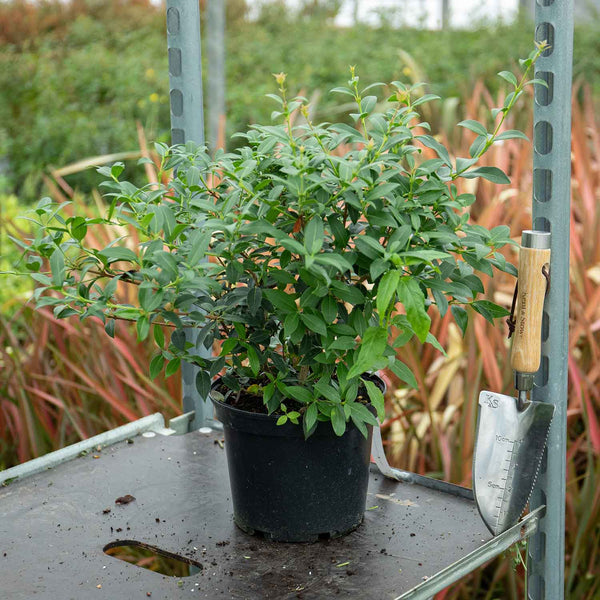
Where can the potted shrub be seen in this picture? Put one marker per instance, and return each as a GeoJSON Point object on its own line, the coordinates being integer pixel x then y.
{"type": "Point", "coordinates": [304, 259]}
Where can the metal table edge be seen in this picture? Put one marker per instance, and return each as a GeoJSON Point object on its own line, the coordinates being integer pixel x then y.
{"type": "Point", "coordinates": [154, 423]}
{"type": "Point", "coordinates": [442, 579]}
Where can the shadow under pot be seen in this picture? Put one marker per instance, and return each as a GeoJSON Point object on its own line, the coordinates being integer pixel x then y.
{"type": "Point", "coordinates": [289, 489]}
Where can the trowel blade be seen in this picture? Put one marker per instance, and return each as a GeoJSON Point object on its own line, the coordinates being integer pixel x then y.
{"type": "Point", "coordinates": [508, 452]}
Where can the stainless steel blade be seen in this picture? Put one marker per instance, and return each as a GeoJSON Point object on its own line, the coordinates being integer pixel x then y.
{"type": "Point", "coordinates": [508, 453]}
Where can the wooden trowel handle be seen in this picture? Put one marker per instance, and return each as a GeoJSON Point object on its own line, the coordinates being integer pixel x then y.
{"type": "Point", "coordinates": [534, 257]}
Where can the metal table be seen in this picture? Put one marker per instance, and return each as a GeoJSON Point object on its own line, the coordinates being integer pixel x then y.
{"type": "Point", "coordinates": [54, 526]}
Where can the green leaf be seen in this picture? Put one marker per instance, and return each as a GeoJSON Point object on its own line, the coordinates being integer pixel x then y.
{"type": "Point", "coordinates": [493, 174]}
{"type": "Point", "coordinates": [299, 393]}
{"type": "Point", "coordinates": [145, 295]}
{"type": "Point", "coordinates": [310, 419]}
{"type": "Point", "coordinates": [253, 359]}
{"type": "Point", "coordinates": [369, 246]}
{"type": "Point", "coordinates": [200, 242]}
{"type": "Point", "coordinates": [282, 420]}
{"type": "Point", "coordinates": [172, 367]}
{"type": "Point", "coordinates": [159, 336]}
{"type": "Point", "coordinates": [110, 288]}
{"type": "Point", "coordinates": [489, 310]}
{"type": "Point", "coordinates": [254, 300]}
{"type": "Point", "coordinates": [348, 293]}
{"type": "Point", "coordinates": [193, 176]}
{"type": "Point", "coordinates": [413, 299]}
{"type": "Point", "coordinates": [477, 146]}
{"type": "Point", "coordinates": [338, 420]}
{"type": "Point", "coordinates": [386, 290]}
{"type": "Point", "coordinates": [143, 328]}
{"type": "Point", "coordinates": [368, 103]}
{"type": "Point", "coordinates": [109, 327]}
{"type": "Point", "coordinates": [117, 169]}
{"type": "Point", "coordinates": [359, 412]}
{"type": "Point", "coordinates": [78, 228]}
{"type": "Point", "coordinates": [432, 143]}
{"type": "Point", "coordinates": [426, 255]}
{"type": "Point", "coordinates": [462, 164]}
{"type": "Point", "coordinates": [376, 398]}
{"type": "Point", "coordinates": [292, 245]}
{"type": "Point", "coordinates": [441, 301]}
{"type": "Point", "coordinates": [425, 98]}
{"type": "Point", "coordinates": [371, 350]}
{"type": "Point", "coordinates": [382, 190]}
{"type": "Point", "coordinates": [314, 323]}
{"type": "Point", "coordinates": [510, 77]}
{"type": "Point", "coordinates": [329, 308]}
{"type": "Point", "coordinates": [314, 235]}
{"type": "Point", "coordinates": [511, 134]}
{"type": "Point", "coordinates": [203, 383]}
{"type": "Point", "coordinates": [474, 126]}
{"type": "Point", "coordinates": [431, 339]}
{"type": "Point", "coordinates": [116, 253]}
{"type": "Point", "coordinates": [279, 299]}
{"type": "Point", "coordinates": [57, 265]}
{"type": "Point", "coordinates": [359, 422]}
{"type": "Point", "coordinates": [342, 90]}
{"type": "Point", "coordinates": [156, 365]}
{"type": "Point", "coordinates": [398, 368]}
{"type": "Point", "coordinates": [327, 391]}
{"type": "Point", "coordinates": [334, 260]}
{"type": "Point", "coordinates": [460, 316]}
{"type": "Point", "coordinates": [342, 343]}
{"type": "Point", "coordinates": [290, 324]}
{"type": "Point", "coordinates": [167, 262]}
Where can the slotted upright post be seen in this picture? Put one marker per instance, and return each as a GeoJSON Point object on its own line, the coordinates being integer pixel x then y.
{"type": "Point", "coordinates": [187, 124]}
{"type": "Point", "coordinates": [551, 212]}
{"type": "Point", "coordinates": [215, 89]}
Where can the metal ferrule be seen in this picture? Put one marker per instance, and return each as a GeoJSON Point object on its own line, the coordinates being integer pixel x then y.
{"type": "Point", "coordinates": [524, 381]}
{"type": "Point", "coordinates": [540, 240]}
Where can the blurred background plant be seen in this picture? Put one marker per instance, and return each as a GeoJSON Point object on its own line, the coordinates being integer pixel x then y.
{"type": "Point", "coordinates": [75, 75]}
{"type": "Point", "coordinates": [84, 82]}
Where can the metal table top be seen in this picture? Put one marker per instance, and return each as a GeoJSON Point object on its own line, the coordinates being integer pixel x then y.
{"type": "Point", "coordinates": [53, 529]}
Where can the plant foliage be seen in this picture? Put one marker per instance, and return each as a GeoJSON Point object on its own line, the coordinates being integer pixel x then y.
{"type": "Point", "coordinates": [294, 253]}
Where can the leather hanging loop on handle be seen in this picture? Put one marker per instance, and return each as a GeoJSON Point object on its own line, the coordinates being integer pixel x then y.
{"type": "Point", "coordinates": [534, 264]}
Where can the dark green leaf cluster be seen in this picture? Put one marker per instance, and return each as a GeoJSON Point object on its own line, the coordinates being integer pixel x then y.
{"type": "Point", "coordinates": [309, 255]}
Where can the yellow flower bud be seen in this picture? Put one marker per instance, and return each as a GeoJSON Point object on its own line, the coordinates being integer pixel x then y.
{"type": "Point", "coordinates": [279, 78]}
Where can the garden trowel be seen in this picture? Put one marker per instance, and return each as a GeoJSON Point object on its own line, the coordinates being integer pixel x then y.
{"type": "Point", "coordinates": [512, 432]}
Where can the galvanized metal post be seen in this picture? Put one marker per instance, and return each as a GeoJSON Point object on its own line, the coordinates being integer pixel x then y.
{"type": "Point", "coordinates": [215, 89]}
{"type": "Point", "coordinates": [551, 212]}
{"type": "Point", "coordinates": [187, 124]}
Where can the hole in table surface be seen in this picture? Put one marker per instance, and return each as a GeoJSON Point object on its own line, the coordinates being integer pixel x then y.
{"type": "Point", "coordinates": [152, 558]}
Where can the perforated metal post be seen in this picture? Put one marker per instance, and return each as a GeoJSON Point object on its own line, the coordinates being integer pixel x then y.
{"type": "Point", "coordinates": [215, 89]}
{"type": "Point", "coordinates": [551, 212]}
{"type": "Point", "coordinates": [187, 124]}
{"type": "Point", "coordinates": [185, 71]}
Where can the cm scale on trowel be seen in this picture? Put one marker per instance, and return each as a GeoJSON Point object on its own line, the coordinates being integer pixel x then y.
{"type": "Point", "coordinates": [512, 432]}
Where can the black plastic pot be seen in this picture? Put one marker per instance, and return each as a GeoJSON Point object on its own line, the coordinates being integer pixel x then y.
{"type": "Point", "coordinates": [290, 489]}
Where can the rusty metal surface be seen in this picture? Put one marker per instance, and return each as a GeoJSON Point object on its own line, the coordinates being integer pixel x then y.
{"type": "Point", "coordinates": [53, 531]}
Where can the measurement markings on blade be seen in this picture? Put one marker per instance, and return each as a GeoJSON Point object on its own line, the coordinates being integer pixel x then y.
{"type": "Point", "coordinates": [502, 488]}
{"type": "Point", "coordinates": [509, 468]}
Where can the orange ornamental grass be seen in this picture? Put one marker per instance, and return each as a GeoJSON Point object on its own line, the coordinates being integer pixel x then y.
{"type": "Point", "coordinates": [431, 430]}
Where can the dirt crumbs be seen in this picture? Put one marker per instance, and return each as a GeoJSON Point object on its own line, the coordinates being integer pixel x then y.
{"type": "Point", "coordinates": [125, 499]}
